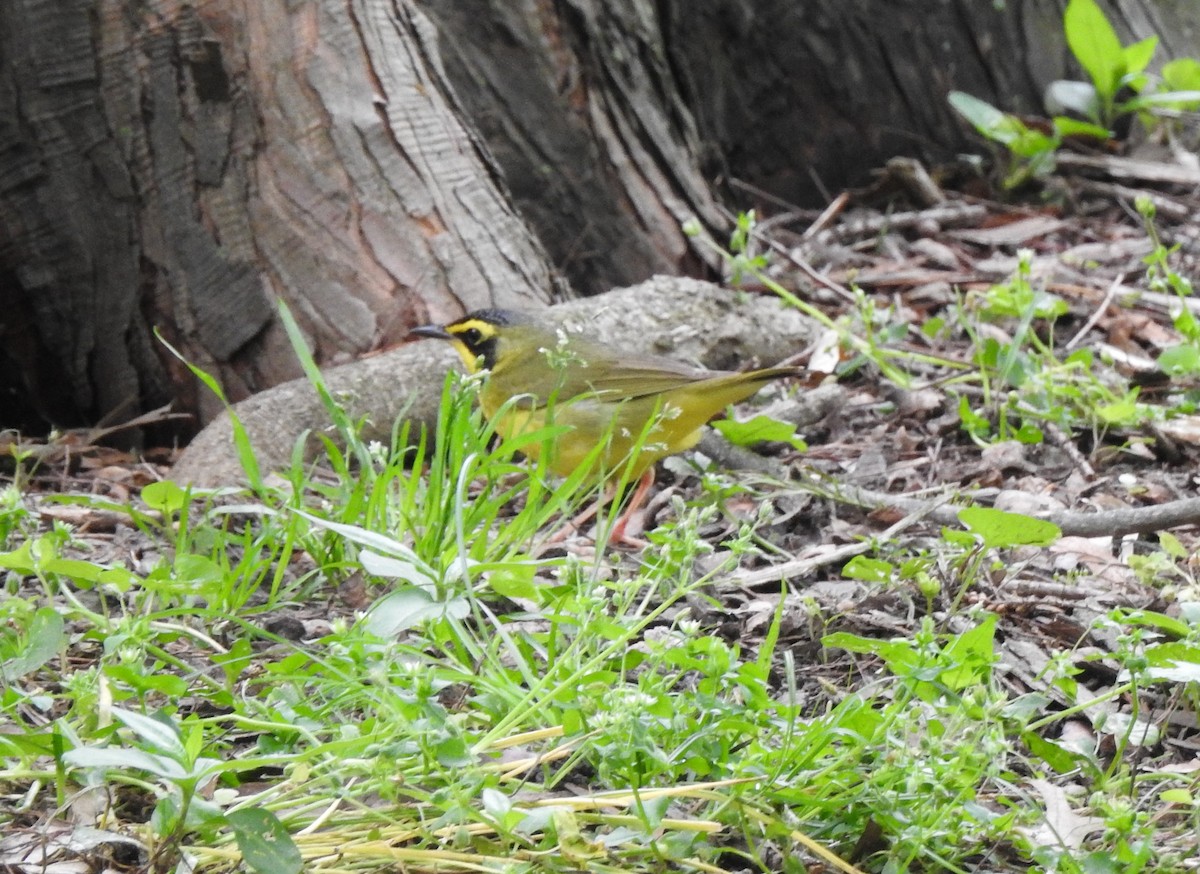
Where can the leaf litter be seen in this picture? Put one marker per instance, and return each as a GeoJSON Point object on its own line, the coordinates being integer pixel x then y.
{"type": "Point", "coordinates": [885, 472]}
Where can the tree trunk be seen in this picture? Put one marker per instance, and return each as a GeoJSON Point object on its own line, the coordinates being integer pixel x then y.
{"type": "Point", "coordinates": [579, 102]}
{"type": "Point", "coordinates": [798, 99]}
{"type": "Point", "coordinates": [805, 99]}
{"type": "Point", "coordinates": [176, 165]}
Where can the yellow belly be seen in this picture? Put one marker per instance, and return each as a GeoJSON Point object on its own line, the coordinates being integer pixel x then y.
{"type": "Point", "coordinates": [635, 432]}
{"type": "Point", "coordinates": [617, 430]}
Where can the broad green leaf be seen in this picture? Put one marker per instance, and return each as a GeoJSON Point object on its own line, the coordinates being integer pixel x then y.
{"type": "Point", "coordinates": [758, 430]}
{"type": "Point", "coordinates": [44, 638]}
{"type": "Point", "coordinates": [408, 608]}
{"type": "Point", "coordinates": [395, 569]}
{"type": "Point", "coordinates": [1000, 529]}
{"type": "Point", "coordinates": [1059, 758]}
{"type": "Point", "coordinates": [1030, 434]}
{"type": "Point", "coordinates": [118, 579]}
{"type": "Point", "coordinates": [1182, 74]}
{"type": "Point", "coordinates": [125, 759]}
{"type": "Point", "coordinates": [1137, 56]}
{"type": "Point", "coordinates": [166, 497]}
{"type": "Point", "coordinates": [82, 573]}
{"type": "Point", "coordinates": [514, 581]}
{"type": "Point", "coordinates": [380, 543]}
{"type": "Point", "coordinates": [28, 744]}
{"type": "Point", "coordinates": [1122, 412]}
{"type": "Point", "coordinates": [870, 570]}
{"type": "Point", "coordinates": [1071, 95]}
{"type": "Point", "coordinates": [972, 422]}
{"type": "Point", "coordinates": [1177, 796]}
{"type": "Point", "coordinates": [20, 559]}
{"type": "Point", "coordinates": [1173, 546]}
{"type": "Point", "coordinates": [985, 118]}
{"type": "Point", "coordinates": [1137, 732]}
{"type": "Point", "coordinates": [197, 569]}
{"type": "Point", "coordinates": [266, 846]}
{"type": "Point", "coordinates": [495, 803]}
{"type": "Point", "coordinates": [1073, 127]}
{"type": "Point", "coordinates": [161, 736]}
{"type": "Point", "coordinates": [133, 678]}
{"type": "Point", "coordinates": [1095, 45]}
{"type": "Point", "coordinates": [972, 654]}
{"type": "Point", "coordinates": [1182, 100]}
{"type": "Point", "coordinates": [1174, 661]}
{"type": "Point", "coordinates": [1181, 360]}
{"type": "Point", "coordinates": [452, 752]}
{"type": "Point", "coordinates": [897, 654]}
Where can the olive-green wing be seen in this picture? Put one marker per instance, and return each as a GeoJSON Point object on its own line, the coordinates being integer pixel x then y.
{"type": "Point", "coordinates": [614, 378]}
{"type": "Point", "coordinates": [638, 378]}
{"type": "Point", "coordinates": [563, 373]}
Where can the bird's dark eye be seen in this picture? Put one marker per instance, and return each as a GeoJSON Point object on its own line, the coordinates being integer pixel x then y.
{"type": "Point", "coordinates": [472, 336]}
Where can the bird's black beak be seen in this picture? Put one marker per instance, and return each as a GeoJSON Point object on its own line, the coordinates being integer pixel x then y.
{"type": "Point", "coordinates": [435, 331]}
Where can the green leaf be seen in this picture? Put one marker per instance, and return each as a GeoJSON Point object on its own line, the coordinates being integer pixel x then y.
{"type": "Point", "coordinates": [1073, 127]}
{"type": "Point", "coordinates": [1071, 95]}
{"type": "Point", "coordinates": [1000, 529]}
{"type": "Point", "coordinates": [1030, 434]}
{"type": "Point", "coordinates": [1177, 796]}
{"type": "Point", "coordinates": [514, 581]}
{"type": "Point", "coordinates": [1122, 412]}
{"type": "Point", "coordinates": [166, 497]}
{"type": "Point", "coordinates": [20, 559]}
{"type": "Point", "coordinates": [197, 570]}
{"type": "Point", "coordinates": [1174, 661]}
{"type": "Point", "coordinates": [985, 118]}
{"type": "Point", "coordinates": [972, 422]}
{"type": "Point", "coordinates": [870, 570]}
{"type": "Point", "coordinates": [161, 736]}
{"type": "Point", "coordinates": [82, 573]}
{"type": "Point", "coordinates": [1137, 57]}
{"type": "Point", "coordinates": [453, 752]}
{"type": "Point", "coordinates": [1095, 45]}
{"type": "Point", "coordinates": [1173, 546]}
{"type": "Point", "coordinates": [1150, 619]}
{"type": "Point", "coordinates": [897, 654]}
{"type": "Point", "coordinates": [1181, 74]}
{"type": "Point", "coordinates": [1181, 100]}
{"type": "Point", "coordinates": [266, 846]}
{"type": "Point", "coordinates": [757, 430]}
{"type": "Point", "coordinates": [1182, 360]}
{"type": "Point", "coordinates": [373, 540]}
{"type": "Point", "coordinates": [407, 608]}
{"type": "Point", "coordinates": [134, 678]}
{"type": "Point", "coordinates": [396, 569]}
{"type": "Point", "coordinates": [43, 640]}
{"type": "Point", "coordinates": [1058, 757]}
{"type": "Point", "coordinates": [125, 759]}
{"type": "Point", "coordinates": [972, 654]}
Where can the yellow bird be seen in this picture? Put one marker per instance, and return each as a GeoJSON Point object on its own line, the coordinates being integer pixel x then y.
{"type": "Point", "coordinates": [641, 407]}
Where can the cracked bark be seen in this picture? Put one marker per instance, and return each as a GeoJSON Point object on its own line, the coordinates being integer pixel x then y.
{"type": "Point", "coordinates": [178, 165]}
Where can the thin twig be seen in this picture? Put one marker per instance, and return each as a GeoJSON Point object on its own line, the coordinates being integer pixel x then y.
{"type": "Point", "coordinates": [801, 566]}
{"type": "Point", "coordinates": [1098, 314]}
{"type": "Point", "coordinates": [1106, 523]}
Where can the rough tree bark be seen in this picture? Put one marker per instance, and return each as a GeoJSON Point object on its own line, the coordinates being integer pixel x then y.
{"type": "Point", "coordinates": [799, 99]}
{"type": "Point", "coordinates": [179, 164]}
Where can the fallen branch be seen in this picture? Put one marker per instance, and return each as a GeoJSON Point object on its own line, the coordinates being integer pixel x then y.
{"type": "Point", "coordinates": [678, 317]}
{"type": "Point", "coordinates": [1105, 523]}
